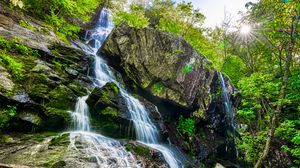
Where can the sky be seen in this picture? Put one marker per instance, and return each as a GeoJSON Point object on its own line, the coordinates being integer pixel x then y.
{"type": "Point", "coordinates": [214, 9]}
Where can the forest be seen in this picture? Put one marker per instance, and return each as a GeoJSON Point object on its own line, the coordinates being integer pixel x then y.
{"type": "Point", "coordinates": [147, 44]}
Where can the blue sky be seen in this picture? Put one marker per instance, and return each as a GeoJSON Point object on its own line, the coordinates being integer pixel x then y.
{"type": "Point", "coordinates": [214, 9]}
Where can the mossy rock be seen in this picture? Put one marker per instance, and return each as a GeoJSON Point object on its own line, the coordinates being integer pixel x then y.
{"type": "Point", "coordinates": [57, 119]}
{"type": "Point", "coordinates": [62, 139]}
{"type": "Point", "coordinates": [138, 149]}
{"type": "Point", "coordinates": [62, 98]}
{"type": "Point", "coordinates": [78, 88]}
{"type": "Point", "coordinates": [110, 122]}
{"type": "Point", "coordinates": [103, 97]}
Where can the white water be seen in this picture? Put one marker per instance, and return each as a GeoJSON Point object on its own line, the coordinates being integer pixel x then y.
{"type": "Point", "coordinates": [227, 103]}
{"type": "Point", "coordinates": [103, 148]}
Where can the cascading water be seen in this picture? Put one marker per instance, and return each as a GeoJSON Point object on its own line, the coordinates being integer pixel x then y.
{"type": "Point", "coordinates": [98, 145]}
{"type": "Point", "coordinates": [227, 103]}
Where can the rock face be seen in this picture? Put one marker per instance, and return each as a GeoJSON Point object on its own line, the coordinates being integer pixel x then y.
{"type": "Point", "coordinates": [52, 78]}
{"type": "Point", "coordinates": [9, 28]}
{"type": "Point", "coordinates": [109, 113]}
{"type": "Point", "coordinates": [165, 65]}
{"type": "Point", "coordinates": [168, 72]}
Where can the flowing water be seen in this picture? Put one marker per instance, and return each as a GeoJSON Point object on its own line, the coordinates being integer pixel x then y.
{"type": "Point", "coordinates": [109, 152]}
{"type": "Point", "coordinates": [227, 103]}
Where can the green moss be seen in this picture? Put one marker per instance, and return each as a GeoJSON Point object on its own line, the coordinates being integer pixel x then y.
{"type": "Point", "coordinates": [158, 87]}
{"type": "Point", "coordinates": [111, 112]}
{"type": "Point", "coordinates": [78, 88]}
{"type": "Point", "coordinates": [11, 63]}
{"type": "Point", "coordinates": [38, 91]}
{"type": "Point", "coordinates": [27, 25]}
{"type": "Point", "coordinates": [143, 151]}
{"type": "Point", "coordinates": [62, 139]}
{"type": "Point", "coordinates": [57, 119]}
{"type": "Point", "coordinates": [138, 149]}
{"type": "Point", "coordinates": [62, 98]}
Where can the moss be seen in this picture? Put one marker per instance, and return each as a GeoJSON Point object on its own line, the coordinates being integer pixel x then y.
{"type": "Point", "coordinates": [62, 98]}
{"type": "Point", "coordinates": [200, 113]}
{"type": "Point", "coordinates": [38, 91]}
{"type": "Point", "coordinates": [6, 139]}
{"type": "Point", "coordinates": [77, 88]}
{"type": "Point", "coordinates": [138, 149]}
{"type": "Point", "coordinates": [143, 151]}
{"type": "Point", "coordinates": [57, 119]}
{"type": "Point", "coordinates": [41, 136]}
{"type": "Point", "coordinates": [111, 112]}
{"type": "Point", "coordinates": [59, 164]}
{"type": "Point", "coordinates": [62, 139]}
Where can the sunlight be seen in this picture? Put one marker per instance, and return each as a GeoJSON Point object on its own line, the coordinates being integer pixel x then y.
{"type": "Point", "coordinates": [245, 29]}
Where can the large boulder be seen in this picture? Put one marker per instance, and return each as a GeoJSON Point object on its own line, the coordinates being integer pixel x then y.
{"type": "Point", "coordinates": [180, 81]}
{"type": "Point", "coordinates": [164, 64]}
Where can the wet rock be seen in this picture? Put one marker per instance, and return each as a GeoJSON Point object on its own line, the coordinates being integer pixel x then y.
{"type": "Point", "coordinates": [72, 72]}
{"type": "Point", "coordinates": [22, 97]}
{"type": "Point", "coordinates": [108, 116]}
{"type": "Point", "coordinates": [168, 72]}
{"type": "Point", "coordinates": [31, 118]}
{"type": "Point", "coordinates": [6, 84]}
{"type": "Point", "coordinates": [150, 157]}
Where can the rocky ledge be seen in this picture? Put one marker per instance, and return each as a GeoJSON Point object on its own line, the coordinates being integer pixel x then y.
{"type": "Point", "coordinates": [170, 73]}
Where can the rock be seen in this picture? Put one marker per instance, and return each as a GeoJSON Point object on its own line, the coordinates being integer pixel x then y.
{"type": "Point", "coordinates": [79, 88]}
{"type": "Point", "coordinates": [6, 84]}
{"type": "Point", "coordinates": [31, 118]}
{"type": "Point", "coordinates": [218, 165]}
{"type": "Point", "coordinates": [156, 61]}
{"type": "Point", "coordinates": [72, 72]}
{"type": "Point", "coordinates": [12, 165]}
{"type": "Point", "coordinates": [171, 74]}
{"type": "Point", "coordinates": [57, 119]}
{"type": "Point", "coordinates": [22, 97]}
{"type": "Point", "coordinates": [62, 98]}
{"type": "Point", "coordinates": [108, 114]}
{"type": "Point", "coordinates": [40, 67]}
{"type": "Point", "coordinates": [150, 157]}
{"type": "Point", "coordinates": [100, 98]}
{"type": "Point", "coordinates": [10, 28]}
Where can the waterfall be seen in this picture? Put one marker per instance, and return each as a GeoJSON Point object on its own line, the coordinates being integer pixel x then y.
{"type": "Point", "coordinates": [146, 131]}
{"type": "Point", "coordinates": [227, 103]}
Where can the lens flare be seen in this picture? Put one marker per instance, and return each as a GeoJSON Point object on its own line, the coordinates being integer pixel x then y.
{"type": "Point", "coordinates": [245, 29]}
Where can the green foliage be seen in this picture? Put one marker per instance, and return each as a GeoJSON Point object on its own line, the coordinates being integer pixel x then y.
{"type": "Point", "coordinates": [63, 16]}
{"type": "Point", "coordinates": [135, 18]}
{"type": "Point", "coordinates": [6, 115]}
{"type": "Point", "coordinates": [188, 68]}
{"type": "Point", "coordinates": [27, 25]}
{"type": "Point", "coordinates": [158, 87]}
{"type": "Point", "coordinates": [186, 126]}
{"type": "Point", "coordinates": [58, 65]}
{"type": "Point", "coordinates": [235, 68]}
{"type": "Point", "coordinates": [289, 132]}
{"type": "Point", "coordinates": [250, 145]}
{"type": "Point", "coordinates": [15, 46]}
{"type": "Point", "coordinates": [15, 67]}
{"type": "Point", "coordinates": [259, 85]}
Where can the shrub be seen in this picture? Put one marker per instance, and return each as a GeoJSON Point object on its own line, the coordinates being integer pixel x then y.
{"type": "Point", "coordinates": [6, 115]}
{"type": "Point", "coordinates": [186, 126]}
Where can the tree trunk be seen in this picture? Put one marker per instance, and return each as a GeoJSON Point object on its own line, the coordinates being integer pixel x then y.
{"type": "Point", "coordinates": [284, 85]}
